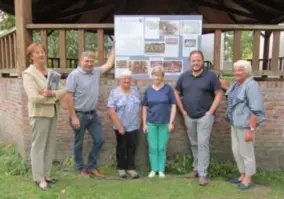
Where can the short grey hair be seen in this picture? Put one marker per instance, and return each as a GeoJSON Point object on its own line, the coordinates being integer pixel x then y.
{"type": "Point", "coordinates": [244, 64]}
{"type": "Point", "coordinates": [87, 54]}
{"type": "Point", "coordinates": [126, 73]}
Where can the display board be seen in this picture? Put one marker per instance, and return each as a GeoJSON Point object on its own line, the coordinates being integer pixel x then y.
{"type": "Point", "coordinates": [145, 41]}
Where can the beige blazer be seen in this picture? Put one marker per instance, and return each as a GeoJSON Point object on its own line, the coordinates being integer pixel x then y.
{"type": "Point", "coordinates": [38, 105]}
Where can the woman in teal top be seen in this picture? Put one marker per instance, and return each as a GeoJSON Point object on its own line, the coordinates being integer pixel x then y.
{"type": "Point", "coordinates": [159, 111]}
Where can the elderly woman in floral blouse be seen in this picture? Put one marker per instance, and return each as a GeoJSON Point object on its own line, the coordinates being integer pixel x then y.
{"type": "Point", "coordinates": [245, 112]}
{"type": "Point", "coordinates": [124, 110]}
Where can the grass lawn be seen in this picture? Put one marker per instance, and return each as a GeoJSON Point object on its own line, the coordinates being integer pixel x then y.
{"type": "Point", "coordinates": [72, 186]}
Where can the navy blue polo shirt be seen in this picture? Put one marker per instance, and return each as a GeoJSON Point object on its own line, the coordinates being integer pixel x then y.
{"type": "Point", "coordinates": [198, 92]}
{"type": "Point", "coordinates": [159, 103]}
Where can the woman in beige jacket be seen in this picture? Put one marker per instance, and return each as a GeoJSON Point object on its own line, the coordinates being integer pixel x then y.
{"type": "Point", "coordinates": [43, 106]}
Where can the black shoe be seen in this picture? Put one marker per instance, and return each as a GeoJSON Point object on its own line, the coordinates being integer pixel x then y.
{"type": "Point", "coordinates": [42, 188]}
{"type": "Point", "coordinates": [52, 181]}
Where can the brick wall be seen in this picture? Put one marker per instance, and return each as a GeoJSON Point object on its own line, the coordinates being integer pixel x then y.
{"type": "Point", "coordinates": [14, 127]}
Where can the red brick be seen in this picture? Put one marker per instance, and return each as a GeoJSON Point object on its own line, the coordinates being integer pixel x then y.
{"type": "Point", "coordinates": [14, 126]}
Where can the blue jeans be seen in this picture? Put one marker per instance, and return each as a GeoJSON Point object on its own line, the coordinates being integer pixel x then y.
{"type": "Point", "coordinates": [90, 122]}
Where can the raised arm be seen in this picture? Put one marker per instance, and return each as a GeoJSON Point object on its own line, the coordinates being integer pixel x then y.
{"type": "Point", "coordinates": [110, 61]}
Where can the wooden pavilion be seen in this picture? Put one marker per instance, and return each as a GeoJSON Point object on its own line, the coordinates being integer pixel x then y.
{"type": "Point", "coordinates": [260, 16]}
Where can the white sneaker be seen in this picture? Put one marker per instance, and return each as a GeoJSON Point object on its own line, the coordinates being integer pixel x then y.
{"type": "Point", "coordinates": [152, 174]}
{"type": "Point", "coordinates": [162, 174]}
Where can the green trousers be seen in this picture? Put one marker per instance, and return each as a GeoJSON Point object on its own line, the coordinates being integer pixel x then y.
{"type": "Point", "coordinates": [157, 137]}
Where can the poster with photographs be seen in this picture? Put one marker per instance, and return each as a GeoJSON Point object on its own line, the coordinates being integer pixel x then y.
{"type": "Point", "coordinates": [147, 41]}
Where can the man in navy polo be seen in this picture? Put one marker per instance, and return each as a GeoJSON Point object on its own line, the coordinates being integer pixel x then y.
{"type": "Point", "coordinates": [198, 94]}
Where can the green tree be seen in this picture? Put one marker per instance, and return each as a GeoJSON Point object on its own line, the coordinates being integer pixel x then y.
{"type": "Point", "coordinates": [246, 45]}
{"type": "Point", "coordinates": [8, 21]}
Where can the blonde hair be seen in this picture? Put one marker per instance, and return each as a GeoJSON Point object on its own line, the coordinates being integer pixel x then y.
{"type": "Point", "coordinates": [32, 47]}
{"type": "Point", "coordinates": [243, 64]}
{"type": "Point", "coordinates": [158, 70]}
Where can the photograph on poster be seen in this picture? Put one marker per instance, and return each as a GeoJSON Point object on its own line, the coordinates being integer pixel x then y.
{"type": "Point", "coordinates": [172, 46]}
{"type": "Point", "coordinates": [173, 66]}
{"type": "Point", "coordinates": [190, 27]}
{"type": "Point", "coordinates": [169, 27]}
{"type": "Point", "coordinates": [189, 44]}
{"type": "Point", "coordinates": [138, 66]}
{"type": "Point", "coordinates": [122, 62]}
{"type": "Point", "coordinates": [155, 63]}
{"type": "Point", "coordinates": [154, 47]}
{"type": "Point", "coordinates": [152, 30]}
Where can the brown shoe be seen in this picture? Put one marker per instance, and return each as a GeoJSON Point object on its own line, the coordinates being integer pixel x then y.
{"type": "Point", "coordinates": [203, 180]}
{"type": "Point", "coordinates": [192, 174]}
{"type": "Point", "coordinates": [84, 173]}
{"type": "Point", "coordinates": [96, 173]}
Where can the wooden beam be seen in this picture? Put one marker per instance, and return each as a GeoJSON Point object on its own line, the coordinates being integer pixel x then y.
{"type": "Point", "coordinates": [110, 26]}
{"type": "Point", "coordinates": [6, 52]}
{"type": "Point", "coordinates": [62, 48]}
{"type": "Point", "coordinates": [44, 41]}
{"type": "Point", "coordinates": [255, 50]}
{"type": "Point", "coordinates": [217, 50]}
{"type": "Point", "coordinates": [70, 26]}
{"type": "Point", "coordinates": [10, 46]}
{"type": "Point", "coordinates": [23, 16]}
{"type": "Point", "coordinates": [237, 45]}
{"type": "Point", "coordinates": [15, 49]}
{"type": "Point", "coordinates": [81, 41]}
{"type": "Point", "coordinates": [275, 51]}
{"type": "Point", "coordinates": [100, 39]}
{"type": "Point", "coordinates": [2, 55]}
{"type": "Point", "coordinates": [266, 47]}
{"type": "Point", "coordinates": [223, 8]}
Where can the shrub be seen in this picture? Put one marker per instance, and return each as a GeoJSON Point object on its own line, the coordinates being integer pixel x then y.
{"type": "Point", "coordinates": [182, 164]}
{"type": "Point", "coordinates": [14, 164]}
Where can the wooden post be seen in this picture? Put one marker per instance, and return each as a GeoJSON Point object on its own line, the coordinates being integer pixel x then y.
{"type": "Point", "coordinates": [265, 65]}
{"type": "Point", "coordinates": [237, 45]}
{"type": "Point", "coordinates": [275, 51]}
{"type": "Point", "coordinates": [62, 49]}
{"type": "Point", "coordinates": [100, 36]}
{"type": "Point", "coordinates": [255, 50]}
{"type": "Point", "coordinates": [23, 16]}
{"type": "Point", "coordinates": [217, 50]}
{"type": "Point", "coordinates": [81, 41]}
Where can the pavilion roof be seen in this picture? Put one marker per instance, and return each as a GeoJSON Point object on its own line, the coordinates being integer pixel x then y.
{"type": "Point", "coordinates": [102, 11]}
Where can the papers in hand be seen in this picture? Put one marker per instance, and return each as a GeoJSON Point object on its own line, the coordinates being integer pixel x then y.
{"type": "Point", "coordinates": [53, 79]}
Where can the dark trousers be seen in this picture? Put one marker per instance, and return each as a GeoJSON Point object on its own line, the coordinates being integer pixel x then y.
{"type": "Point", "coordinates": [125, 149]}
{"type": "Point", "coordinates": [90, 122]}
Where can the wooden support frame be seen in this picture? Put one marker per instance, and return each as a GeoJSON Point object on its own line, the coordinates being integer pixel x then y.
{"type": "Point", "coordinates": [217, 50]}
{"type": "Point", "coordinates": [237, 45]}
{"type": "Point", "coordinates": [275, 50]}
{"type": "Point", "coordinates": [255, 53]}
{"type": "Point", "coordinates": [23, 16]}
{"type": "Point", "coordinates": [100, 37]}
